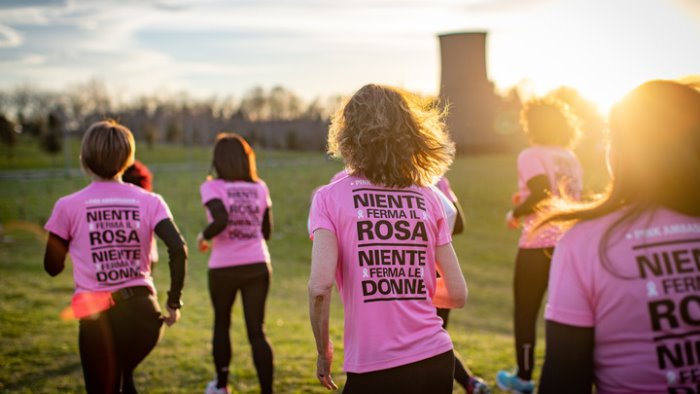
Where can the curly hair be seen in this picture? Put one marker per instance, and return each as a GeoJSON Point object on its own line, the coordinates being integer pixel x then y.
{"type": "Point", "coordinates": [549, 122]}
{"type": "Point", "coordinates": [391, 137]}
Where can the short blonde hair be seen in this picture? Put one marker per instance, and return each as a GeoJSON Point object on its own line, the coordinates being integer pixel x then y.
{"type": "Point", "coordinates": [107, 149]}
{"type": "Point", "coordinates": [391, 137]}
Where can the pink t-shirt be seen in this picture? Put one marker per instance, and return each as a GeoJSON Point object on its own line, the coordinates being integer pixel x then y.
{"type": "Point", "coordinates": [110, 229]}
{"type": "Point", "coordinates": [386, 270]}
{"type": "Point", "coordinates": [646, 319]}
{"type": "Point", "coordinates": [563, 170]}
{"type": "Point", "coordinates": [242, 240]}
{"type": "Point", "coordinates": [444, 185]}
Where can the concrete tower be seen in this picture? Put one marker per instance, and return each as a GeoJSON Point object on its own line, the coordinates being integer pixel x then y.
{"type": "Point", "coordinates": [465, 86]}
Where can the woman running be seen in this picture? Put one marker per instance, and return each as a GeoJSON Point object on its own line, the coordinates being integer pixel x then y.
{"type": "Point", "coordinates": [240, 220]}
{"type": "Point", "coordinates": [624, 297]}
{"type": "Point", "coordinates": [382, 235]}
{"type": "Point", "coordinates": [547, 168]}
{"type": "Point", "coordinates": [107, 228]}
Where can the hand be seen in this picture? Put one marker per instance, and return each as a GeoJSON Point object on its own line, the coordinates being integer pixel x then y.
{"type": "Point", "coordinates": [202, 244]}
{"type": "Point", "coordinates": [440, 289]}
{"type": "Point", "coordinates": [512, 221]}
{"type": "Point", "coordinates": [323, 369]}
{"type": "Point", "coordinates": [173, 316]}
{"type": "Point", "coordinates": [516, 199]}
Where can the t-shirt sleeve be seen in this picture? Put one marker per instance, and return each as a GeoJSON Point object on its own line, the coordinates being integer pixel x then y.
{"type": "Point", "coordinates": [530, 165]}
{"type": "Point", "coordinates": [161, 210]}
{"type": "Point", "coordinates": [444, 231]}
{"type": "Point", "coordinates": [445, 187]}
{"type": "Point", "coordinates": [570, 293]}
{"type": "Point", "coordinates": [266, 191]}
{"type": "Point", "coordinates": [59, 222]}
{"type": "Point", "coordinates": [319, 216]}
{"type": "Point", "coordinates": [208, 192]}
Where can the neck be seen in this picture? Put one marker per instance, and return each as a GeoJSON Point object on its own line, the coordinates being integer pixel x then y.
{"type": "Point", "coordinates": [116, 179]}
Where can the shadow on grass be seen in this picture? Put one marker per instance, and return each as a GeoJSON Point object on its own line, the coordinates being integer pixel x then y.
{"type": "Point", "coordinates": [41, 378]}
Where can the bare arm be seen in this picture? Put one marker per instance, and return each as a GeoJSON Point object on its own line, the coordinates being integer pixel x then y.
{"type": "Point", "coordinates": [324, 260]}
{"type": "Point", "coordinates": [55, 255]}
{"type": "Point", "coordinates": [451, 289]}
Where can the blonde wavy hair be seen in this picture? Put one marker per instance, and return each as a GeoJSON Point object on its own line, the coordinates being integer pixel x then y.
{"type": "Point", "coordinates": [391, 137]}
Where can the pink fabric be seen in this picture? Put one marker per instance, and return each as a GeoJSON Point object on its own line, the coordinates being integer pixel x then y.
{"type": "Point", "coordinates": [110, 228]}
{"type": "Point", "coordinates": [339, 175]}
{"type": "Point", "coordinates": [563, 170]}
{"type": "Point", "coordinates": [646, 319]}
{"type": "Point", "coordinates": [444, 185]}
{"type": "Point", "coordinates": [242, 241]}
{"type": "Point", "coordinates": [385, 236]}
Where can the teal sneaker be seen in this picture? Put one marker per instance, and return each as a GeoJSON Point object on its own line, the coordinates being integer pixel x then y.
{"type": "Point", "coordinates": [510, 382]}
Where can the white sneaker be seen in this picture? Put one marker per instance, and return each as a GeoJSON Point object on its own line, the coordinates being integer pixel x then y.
{"type": "Point", "coordinates": [212, 389]}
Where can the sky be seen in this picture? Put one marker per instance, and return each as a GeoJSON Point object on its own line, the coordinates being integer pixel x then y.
{"type": "Point", "coordinates": [325, 47]}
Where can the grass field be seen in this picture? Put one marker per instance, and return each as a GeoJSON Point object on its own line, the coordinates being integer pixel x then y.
{"type": "Point", "coordinates": [38, 351]}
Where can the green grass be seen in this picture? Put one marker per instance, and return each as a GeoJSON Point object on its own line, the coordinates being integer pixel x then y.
{"type": "Point", "coordinates": [38, 351]}
{"type": "Point", "coordinates": [28, 155]}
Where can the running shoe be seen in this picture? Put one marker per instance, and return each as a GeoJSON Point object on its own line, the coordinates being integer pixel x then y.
{"type": "Point", "coordinates": [510, 382]}
{"type": "Point", "coordinates": [478, 386]}
{"type": "Point", "coordinates": [212, 389]}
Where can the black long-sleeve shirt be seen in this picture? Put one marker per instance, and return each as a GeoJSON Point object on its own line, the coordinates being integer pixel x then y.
{"type": "Point", "coordinates": [539, 190]}
{"type": "Point", "coordinates": [166, 230]}
{"type": "Point", "coordinates": [568, 362]}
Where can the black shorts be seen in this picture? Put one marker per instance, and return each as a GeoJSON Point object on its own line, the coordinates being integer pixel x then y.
{"type": "Point", "coordinates": [433, 375]}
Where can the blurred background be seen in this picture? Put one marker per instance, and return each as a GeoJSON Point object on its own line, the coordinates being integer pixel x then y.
{"type": "Point", "coordinates": [178, 72]}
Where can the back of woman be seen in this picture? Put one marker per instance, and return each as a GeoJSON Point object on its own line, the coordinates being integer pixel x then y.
{"type": "Point", "coordinates": [644, 305]}
{"type": "Point", "coordinates": [386, 271]}
{"type": "Point", "coordinates": [242, 241]}
{"type": "Point", "coordinates": [239, 211]}
{"type": "Point", "coordinates": [381, 234]}
{"type": "Point", "coordinates": [624, 303]}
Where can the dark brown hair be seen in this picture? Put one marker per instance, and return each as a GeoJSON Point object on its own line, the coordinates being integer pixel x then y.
{"type": "Point", "coordinates": [391, 137]}
{"type": "Point", "coordinates": [549, 122]}
{"type": "Point", "coordinates": [654, 158]}
{"type": "Point", "coordinates": [107, 149]}
{"type": "Point", "coordinates": [234, 159]}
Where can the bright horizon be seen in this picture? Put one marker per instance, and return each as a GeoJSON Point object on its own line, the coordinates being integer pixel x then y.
{"type": "Point", "coordinates": [322, 48]}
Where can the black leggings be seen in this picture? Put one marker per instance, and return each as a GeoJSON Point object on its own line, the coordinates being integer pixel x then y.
{"type": "Point", "coordinates": [253, 280]}
{"type": "Point", "coordinates": [462, 374]}
{"type": "Point", "coordinates": [113, 344]}
{"type": "Point", "coordinates": [432, 375]}
{"type": "Point", "coordinates": [529, 285]}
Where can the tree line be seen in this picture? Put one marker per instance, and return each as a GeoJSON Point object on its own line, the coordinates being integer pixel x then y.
{"type": "Point", "coordinates": [275, 118]}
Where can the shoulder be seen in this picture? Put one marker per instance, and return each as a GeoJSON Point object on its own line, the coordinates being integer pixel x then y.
{"type": "Point", "coordinates": [528, 154]}
{"type": "Point", "coordinates": [150, 197]}
{"type": "Point", "coordinates": [587, 234]}
{"type": "Point", "coordinates": [210, 184]}
{"type": "Point", "coordinates": [261, 184]}
{"type": "Point", "coordinates": [72, 198]}
{"type": "Point", "coordinates": [339, 175]}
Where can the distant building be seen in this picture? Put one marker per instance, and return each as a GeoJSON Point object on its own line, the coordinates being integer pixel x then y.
{"type": "Point", "coordinates": [466, 88]}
